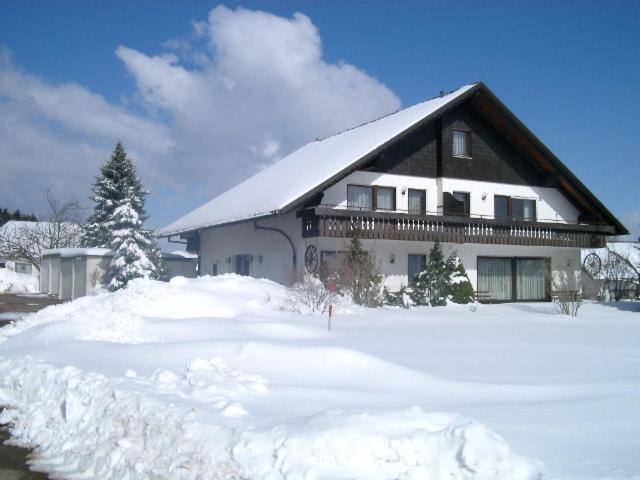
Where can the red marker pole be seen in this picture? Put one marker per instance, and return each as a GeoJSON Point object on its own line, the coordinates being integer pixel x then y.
{"type": "Point", "coordinates": [332, 288]}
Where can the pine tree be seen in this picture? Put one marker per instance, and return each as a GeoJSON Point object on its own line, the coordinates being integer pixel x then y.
{"type": "Point", "coordinates": [118, 222]}
{"type": "Point", "coordinates": [431, 285]}
{"type": "Point", "coordinates": [460, 288]}
{"type": "Point", "coordinates": [134, 250]}
{"type": "Point", "coordinates": [117, 181]}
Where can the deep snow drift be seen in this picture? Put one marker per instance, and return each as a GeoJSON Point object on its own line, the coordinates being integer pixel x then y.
{"type": "Point", "coordinates": [13, 282]}
{"type": "Point", "coordinates": [209, 378]}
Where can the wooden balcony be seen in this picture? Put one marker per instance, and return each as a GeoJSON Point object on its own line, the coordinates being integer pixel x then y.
{"type": "Point", "coordinates": [332, 222]}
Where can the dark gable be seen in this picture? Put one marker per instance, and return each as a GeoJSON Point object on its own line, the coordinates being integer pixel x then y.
{"type": "Point", "coordinates": [493, 157]}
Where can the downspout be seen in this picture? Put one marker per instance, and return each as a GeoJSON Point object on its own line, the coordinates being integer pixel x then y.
{"type": "Point", "coordinates": [283, 233]}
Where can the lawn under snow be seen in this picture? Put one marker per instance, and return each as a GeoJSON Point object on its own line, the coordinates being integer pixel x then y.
{"type": "Point", "coordinates": [208, 378]}
{"type": "Point", "coordinates": [13, 282]}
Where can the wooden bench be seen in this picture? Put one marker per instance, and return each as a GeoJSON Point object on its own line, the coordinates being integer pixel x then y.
{"type": "Point", "coordinates": [483, 296]}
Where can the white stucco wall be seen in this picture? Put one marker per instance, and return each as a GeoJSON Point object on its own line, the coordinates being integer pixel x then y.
{"type": "Point", "coordinates": [271, 252]}
{"type": "Point", "coordinates": [184, 267]}
{"type": "Point", "coordinates": [337, 194]}
{"type": "Point", "coordinates": [551, 205]}
{"type": "Point", "coordinates": [562, 259]}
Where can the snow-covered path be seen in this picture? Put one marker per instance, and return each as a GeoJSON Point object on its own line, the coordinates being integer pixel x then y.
{"type": "Point", "coordinates": [564, 391]}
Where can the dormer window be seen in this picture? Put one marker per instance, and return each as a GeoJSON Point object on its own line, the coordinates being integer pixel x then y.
{"type": "Point", "coordinates": [462, 143]}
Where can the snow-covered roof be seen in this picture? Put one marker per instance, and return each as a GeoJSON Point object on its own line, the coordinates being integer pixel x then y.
{"type": "Point", "coordinates": [107, 252]}
{"type": "Point", "coordinates": [284, 182]}
{"type": "Point", "coordinates": [13, 225]}
{"type": "Point", "coordinates": [78, 252]}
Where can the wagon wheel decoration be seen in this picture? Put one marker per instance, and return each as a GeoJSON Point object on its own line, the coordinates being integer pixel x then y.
{"type": "Point", "coordinates": [592, 264]}
{"type": "Point", "coordinates": [311, 258]}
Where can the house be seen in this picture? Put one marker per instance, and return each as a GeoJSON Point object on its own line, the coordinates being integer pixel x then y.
{"type": "Point", "coordinates": [460, 169]}
{"type": "Point", "coordinates": [21, 242]}
{"type": "Point", "coordinates": [71, 273]}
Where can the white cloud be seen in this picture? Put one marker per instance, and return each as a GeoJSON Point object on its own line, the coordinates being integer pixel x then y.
{"type": "Point", "coordinates": [263, 91]}
{"type": "Point", "coordinates": [631, 220]}
{"type": "Point", "coordinates": [241, 90]}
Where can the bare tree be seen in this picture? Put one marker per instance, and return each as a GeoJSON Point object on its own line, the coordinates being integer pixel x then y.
{"type": "Point", "coordinates": [565, 286]}
{"type": "Point", "coordinates": [618, 271]}
{"type": "Point", "coordinates": [27, 240]}
{"type": "Point", "coordinates": [309, 292]}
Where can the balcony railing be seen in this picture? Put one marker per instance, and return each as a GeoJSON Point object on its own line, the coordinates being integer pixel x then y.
{"type": "Point", "coordinates": [341, 223]}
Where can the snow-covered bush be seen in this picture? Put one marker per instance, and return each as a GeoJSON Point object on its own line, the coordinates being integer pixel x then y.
{"type": "Point", "coordinates": [309, 293]}
{"type": "Point", "coordinates": [460, 288]}
{"type": "Point", "coordinates": [14, 282]}
{"type": "Point", "coordinates": [442, 280]}
{"type": "Point", "coordinates": [401, 298]}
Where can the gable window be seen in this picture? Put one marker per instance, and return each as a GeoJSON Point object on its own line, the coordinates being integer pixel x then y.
{"type": "Point", "coordinates": [520, 209]}
{"type": "Point", "coordinates": [385, 198]}
{"type": "Point", "coordinates": [462, 143]}
{"type": "Point", "coordinates": [359, 197]}
{"type": "Point", "coordinates": [415, 265]}
{"type": "Point", "coordinates": [417, 202]}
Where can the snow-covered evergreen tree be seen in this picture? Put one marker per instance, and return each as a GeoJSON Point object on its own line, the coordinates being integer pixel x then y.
{"type": "Point", "coordinates": [431, 284]}
{"type": "Point", "coordinates": [134, 249]}
{"type": "Point", "coordinates": [117, 179]}
{"type": "Point", "coordinates": [460, 288]}
{"type": "Point", "coordinates": [442, 280]}
{"type": "Point", "coordinates": [118, 222]}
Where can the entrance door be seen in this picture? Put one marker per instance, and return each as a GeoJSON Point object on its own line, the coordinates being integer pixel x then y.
{"type": "Point", "coordinates": [242, 264]}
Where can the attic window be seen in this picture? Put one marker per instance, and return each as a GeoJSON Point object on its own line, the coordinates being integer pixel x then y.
{"type": "Point", "coordinates": [462, 143]}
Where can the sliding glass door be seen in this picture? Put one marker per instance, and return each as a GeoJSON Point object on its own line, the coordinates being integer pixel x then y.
{"type": "Point", "coordinates": [531, 279]}
{"type": "Point", "coordinates": [494, 277]}
{"type": "Point", "coordinates": [513, 279]}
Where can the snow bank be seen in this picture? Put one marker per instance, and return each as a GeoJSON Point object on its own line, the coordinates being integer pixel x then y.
{"type": "Point", "coordinates": [211, 379]}
{"type": "Point", "coordinates": [89, 426]}
{"type": "Point", "coordinates": [121, 316]}
{"type": "Point", "coordinates": [13, 282]}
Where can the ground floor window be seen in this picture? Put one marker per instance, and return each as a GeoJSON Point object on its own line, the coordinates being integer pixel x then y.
{"type": "Point", "coordinates": [23, 267]}
{"type": "Point", "coordinates": [214, 270]}
{"type": "Point", "coordinates": [415, 265]}
{"type": "Point", "coordinates": [513, 279]}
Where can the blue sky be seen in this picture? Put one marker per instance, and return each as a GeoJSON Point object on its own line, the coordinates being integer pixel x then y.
{"type": "Point", "coordinates": [569, 70]}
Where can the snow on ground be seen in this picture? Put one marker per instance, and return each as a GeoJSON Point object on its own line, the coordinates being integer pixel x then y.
{"type": "Point", "coordinates": [183, 379]}
{"type": "Point", "coordinates": [13, 282]}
